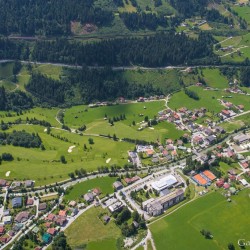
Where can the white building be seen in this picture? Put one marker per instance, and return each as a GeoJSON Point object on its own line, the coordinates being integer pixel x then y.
{"type": "Point", "coordinates": [7, 220]}
{"type": "Point", "coordinates": [164, 183]}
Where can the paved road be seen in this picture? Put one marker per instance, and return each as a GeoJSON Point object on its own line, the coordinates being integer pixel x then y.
{"type": "Point", "coordinates": [121, 67]}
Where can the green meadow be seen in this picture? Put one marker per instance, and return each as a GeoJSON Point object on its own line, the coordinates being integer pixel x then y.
{"type": "Point", "coordinates": [105, 184]}
{"type": "Point", "coordinates": [227, 222]}
{"type": "Point", "coordinates": [89, 230]}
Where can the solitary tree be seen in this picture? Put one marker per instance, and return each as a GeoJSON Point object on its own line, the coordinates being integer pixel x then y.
{"type": "Point", "coordinates": [62, 159]}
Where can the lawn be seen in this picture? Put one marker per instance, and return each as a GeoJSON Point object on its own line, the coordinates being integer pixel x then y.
{"type": "Point", "coordinates": [45, 167]}
{"type": "Point", "coordinates": [105, 184]}
{"type": "Point", "coordinates": [227, 222]}
{"type": "Point", "coordinates": [89, 229]}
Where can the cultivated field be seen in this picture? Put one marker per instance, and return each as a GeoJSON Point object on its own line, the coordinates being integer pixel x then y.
{"type": "Point", "coordinates": [227, 222]}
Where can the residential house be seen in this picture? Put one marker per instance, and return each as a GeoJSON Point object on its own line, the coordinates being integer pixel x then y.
{"type": "Point", "coordinates": [60, 220]}
{"type": "Point", "coordinates": [226, 113]}
{"type": "Point", "coordinates": [117, 206]}
{"type": "Point", "coordinates": [117, 185]}
{"type": "Point", "coordinates": [62, 213]}
{"type": "Point", "coordinates": [96, 191]}
{"type": "Point", "coordinates": [211, 139]}
{"type": "Point", "coordinates": [7, 219]}
{"type": "Point", "coordinates": [132, 180]}
{"type": "Point", "coordinates": [3, 183]}
{"type": "Point", "coordinates": [17, 202]}
{"type": "Point", "coordinates": [35, 230]}
{"type": "Point", "coordinates": [72, 203]}
{"type": "Point", "coordinates": [106, 218]}
{"type": "Point", "coordinates": [30, 202]}
{"type": "Point", "coordinates": [52, 231]}
{"type": "Point", "coordinates": [2, 230]}
{"type": "Point", "coordinates": [89, 197]}
{"type": "Point", "coordinates": [50, 217]}
{"type": "Point", "coordinates": [22, 217]}
{"type": "Point", "coordinates": [28, 183]}
{"type": "Point", "coordinates": [42, 206]}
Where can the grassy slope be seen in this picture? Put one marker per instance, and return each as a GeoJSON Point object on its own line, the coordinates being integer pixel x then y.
{"type": "Point", "coordinates": [103, 183]}
{"type": "Point", "coordinates": [214, 79]}
{"type": "Point", "coordinates": [211, 212]}
{"type": "Point", "coordinates": [89, 229]}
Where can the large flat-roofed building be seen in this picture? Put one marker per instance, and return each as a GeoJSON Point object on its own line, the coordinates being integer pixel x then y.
{"type": "Point", "coordinates": [155, 207]}
{"type": "Point", "coordinates": [241, 138]}
{"type": "Point", "coordinates": [164, 183]}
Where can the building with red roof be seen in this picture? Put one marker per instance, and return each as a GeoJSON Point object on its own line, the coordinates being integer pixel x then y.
{"type": "Point", "coordinates": [220, 183]}
{"type": "Point", "coordinates": [62, 213]}
{"type": "Point", "coordinates": [52, 231]}
{"type": "Point", "coordinates": [226, 185]}
{"type": "Point", "coordinates": [2, 230]}
{"type": "Point", "coordinates": [50, 217]}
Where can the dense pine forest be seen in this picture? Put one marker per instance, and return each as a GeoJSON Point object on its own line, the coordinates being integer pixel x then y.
{"type": "Point", "coordinates": [159, 50]}
{"type": "Point", "coordinates": [16, 101]}
{"type": "Point", "coordinates": [50, 18]}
